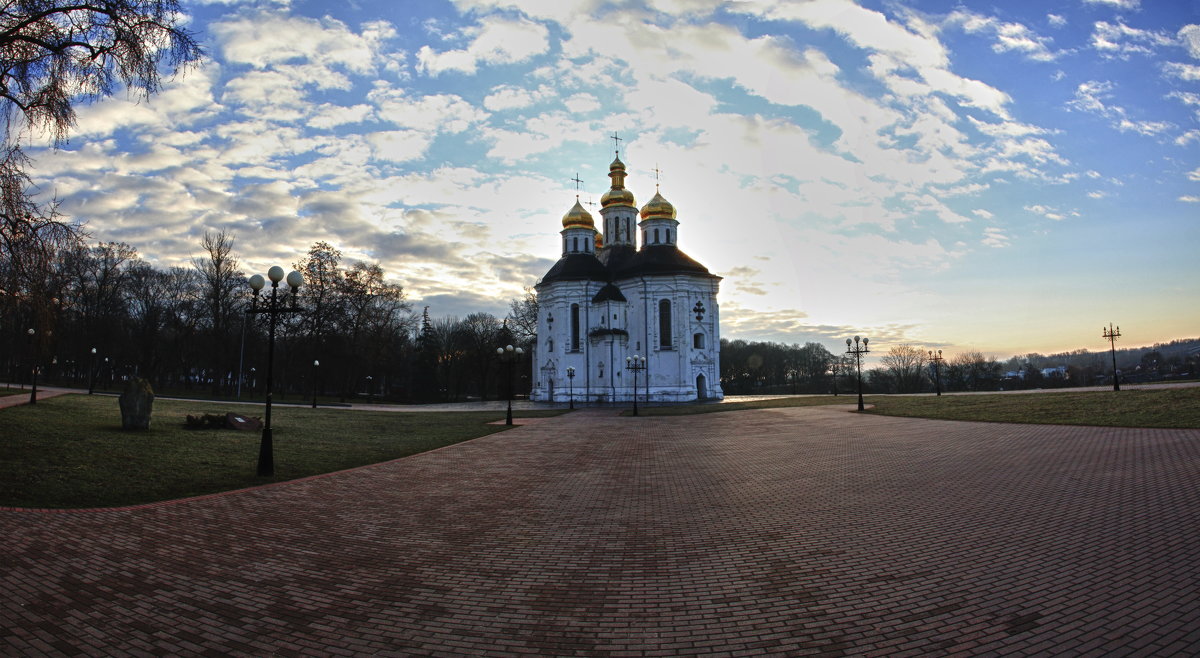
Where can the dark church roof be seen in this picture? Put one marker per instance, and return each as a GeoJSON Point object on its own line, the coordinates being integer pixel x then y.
{"type": "Point", "coordinates": [577, 267]}
{"type": "Point", "coordinates": [609, 293]}
{"type": "Point", "coordinates": [615, 263]}
{"type": "Point", "coordinates": [660, 259]}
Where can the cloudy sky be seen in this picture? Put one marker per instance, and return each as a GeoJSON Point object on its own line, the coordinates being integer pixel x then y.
{"type": "Point", "coordinates": [1001, 176]}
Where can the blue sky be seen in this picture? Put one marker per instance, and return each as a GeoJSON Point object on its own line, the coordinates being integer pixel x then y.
{"type": "Point", "coordinates": [1005, 177]}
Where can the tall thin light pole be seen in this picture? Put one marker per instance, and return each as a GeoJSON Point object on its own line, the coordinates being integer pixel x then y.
{"type": "Point", "coordinates": [509, 355]}
{"type": "Point", "coordinates": [316, 364]}
{"type": "Point", "coordinates": [1112, 335]}
{"type": "Point", "coordinates": [92, 373]}
{"type": "Point", "coordinates": [33, 365]}
{"type": "Point", "coordinates": [857, 353]}
{"type": "Point", "coordinates": [635, 365]}
{"type": "Point", "coordinates": [936, 360]}
{"type": "Point", "coordinates": [571, 379]}
{"type": "Point", "coordinates": [266, 451]}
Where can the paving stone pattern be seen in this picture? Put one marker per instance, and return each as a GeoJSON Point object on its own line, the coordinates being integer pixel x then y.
{"type": "Point", "coordinates": [788, 531]}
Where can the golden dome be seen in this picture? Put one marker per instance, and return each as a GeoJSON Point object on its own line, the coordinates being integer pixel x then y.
{"type": "Point", "coordinates": [658, 208]}
{"type": "Point", "coordinates": [618, 196]}
{"type": "Point", "coordinates": [616, 165]}
{"type": "Point", "coordinates": [599, 241]}
{"type": "Point", "coordinates": [577, 217]}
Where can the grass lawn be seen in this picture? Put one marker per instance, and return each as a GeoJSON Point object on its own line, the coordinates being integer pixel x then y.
{"type": "Point", "coordinates": [1178, 407]}
{"type": "Point", "coordinates": [770, 403]}
{"type": "Point", "coordinates": [70, 451]}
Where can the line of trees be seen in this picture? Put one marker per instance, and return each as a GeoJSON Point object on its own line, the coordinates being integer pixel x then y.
{"type": "Point", "coordinates": [749, 368]}
{"type": "Point", "coordinates": [185, 329]}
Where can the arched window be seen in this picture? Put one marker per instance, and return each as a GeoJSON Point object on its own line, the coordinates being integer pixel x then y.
{"type": "Point", "coordinates": [664, 324]}
{"type": "Point", "coordinates": [574, 244]}
{"type": "Point", "coordinates": [574, 327]}
{"type": "Point", "coordinates": [549, 344]}
{"type": "Point", "coordinates": [698, 341]}
{"type": "Point", "coordinates": [655, 236]}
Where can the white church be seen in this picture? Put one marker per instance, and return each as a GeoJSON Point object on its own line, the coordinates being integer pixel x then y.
{"type": "Point", "coordinates": [627, 291]}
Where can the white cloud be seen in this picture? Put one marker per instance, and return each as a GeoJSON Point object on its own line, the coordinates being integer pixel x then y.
{"type": "Point", "coordinates": [1055, 20]}
{"type": "Point", "coordinates": [432, 113]}
{"type": "Point", "coordinates": [1189, 36]}
{"type": "Point", "coordinates": [1123, 5]}
{"type": "Point", "coordinates": [1190, 199]}
{"type": "Point", "coordinates": [1121, 41]}
{"type": "Point", "coordinates": [1194, 175]}
{"type": "Point", "coordinates": [507, 97]}
{"type": "Point", "coordinates": [1051, 213]}
{"type": "Point", "coordinates": [264, 40]}
{"type": "Point", "coordinates": [980, 212]}
{"type": "Point", "coordinates": [1187, 137]}
{"type": "Point", "coordinates": [495, 40]}
{"type": "Point", "coordinates": [1007, 36]}
{"type": "Point", "coordinates": [995, 237]}
{"type": "Point", "coordinates": [399, 145]}
{"type": "Point", "coordinates": [582, 103]}
{"type": "Point", "coordinates": [1189, 72]}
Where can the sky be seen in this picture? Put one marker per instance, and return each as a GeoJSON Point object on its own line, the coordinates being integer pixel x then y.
{"type": "Point", "coordinates": [1005, 177]}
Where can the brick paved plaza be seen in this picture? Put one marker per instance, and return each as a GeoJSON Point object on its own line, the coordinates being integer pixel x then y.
{"type": "Point", "coordinates": [789, 531]}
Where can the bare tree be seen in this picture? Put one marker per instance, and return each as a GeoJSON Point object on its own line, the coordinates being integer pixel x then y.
{"type": "Point", "coordinates": [905, 364]}
{"type": "Point", "coordinates": [522, 317]}
{"type": "Point", "coordinates": [221, 278]}
{"type": "Point", "coordinates": [54, 53]}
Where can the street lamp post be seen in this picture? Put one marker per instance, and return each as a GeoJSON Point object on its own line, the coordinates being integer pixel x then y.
{"type": "Point", "coordinates": [273, 308]}
{"type": "Point", "coordinates": [936, 360]}
{"type": "Point", "coordinates": [1112, 335]}
{"type": "Point", "coordinates": [857, 353]}
{"type": "Point", "coordinates": [509, 355]}
{"type": "Point", "coordinates": [316, 364]}
{"type": "Point", "coordinates": [33, 366]}
{"type": "Point", "coordinates": [636, 364]}
{"type": "Point", "coordinates": [571, 388]}
{"type": "Point", "coordinates": [92, 373]}
{"type": "Point", "coordinates": [370, 390]}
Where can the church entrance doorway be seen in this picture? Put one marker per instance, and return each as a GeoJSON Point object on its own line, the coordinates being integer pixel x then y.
{"type": "Point", "coordinates": [701, 388]}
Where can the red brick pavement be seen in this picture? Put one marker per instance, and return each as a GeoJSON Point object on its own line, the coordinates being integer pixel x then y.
{"type": "Point", "coordinates": [787, 531]}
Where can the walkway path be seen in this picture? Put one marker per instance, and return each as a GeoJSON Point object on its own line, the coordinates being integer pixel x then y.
{"type": "Point", "coordinates": [786, 531]}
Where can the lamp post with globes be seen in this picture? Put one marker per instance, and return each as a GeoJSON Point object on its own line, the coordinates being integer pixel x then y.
{"type": "Point", "coordinates": [509, 355]}
{"type": "Point", "coordinates": [33, 365]}
{"type": "Point", "coordinates": [571, 388]}
{"type": "Point", "coordinates": [936, 360]}
{"type": "Point", "coordinates": [273, 308]}
{"type": "Point", "coordinates": [636, 364]}
{"type": "Point", "coordinates": [857, 353]}
{"type": "Point", "coordinates": [92, 373]}
{"type": "Point", "coordinates": [1111, 335]}
{"type": "Point", "coordinates": [316, 364]}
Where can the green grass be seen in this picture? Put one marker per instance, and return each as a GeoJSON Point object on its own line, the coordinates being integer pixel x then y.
{"type": "Point", "coordinates": [770, 403]}
{"type": "Point", "coordinates": [70, 451]}
{"type": "Point", "coordinates": [1178, 408]}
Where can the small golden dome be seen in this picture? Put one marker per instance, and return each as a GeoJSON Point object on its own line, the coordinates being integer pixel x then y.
{"type": "Point", "coordinates": [617, 196]}
{"type": "Point", "coordinates": [599, 241]}
{"type": "Point", "coordinates": [658, 208]}
{"type": "Point", "coordinates": [578, 217]}
{"type": "Point", "coordinates": [616, 165]}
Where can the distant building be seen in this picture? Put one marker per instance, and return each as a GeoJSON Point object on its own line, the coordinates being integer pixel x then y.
{"type": "Point", "coordinates": [607, 298]}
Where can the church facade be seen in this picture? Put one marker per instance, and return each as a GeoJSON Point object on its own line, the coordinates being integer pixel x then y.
{"type": "Point", "coordinates": [621, 290]}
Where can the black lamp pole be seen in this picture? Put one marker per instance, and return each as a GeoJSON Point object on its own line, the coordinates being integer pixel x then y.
{"type": "Point", "coordinates": [33, 366]}
{"type": "Point", "coordinates": [936, 360]}
{"type": "Point", "coordinates": [509, 355]}
{"type": "Point", "coordinates": [636, 365]}
{"type": "Point", "coordinates": [571, 379]}
{"type": "Point", "coordinates": [857, 353]}
{"type": "Point", "coordinates": [92, 373]}
{"type": "Point", "coordinates": [316, 364]}
{"type": "Point", "coordinates": [266, 452]}
{"type": "Point", "coordinates": [1112, 335]}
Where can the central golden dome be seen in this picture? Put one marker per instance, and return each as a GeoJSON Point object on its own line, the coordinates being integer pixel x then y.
{"type": "Point", "coordinates": [578, 217]}
{"type": "Point", "coordinates": [658, 208]}
{"type": "Point", "coordinates": [617, 196]}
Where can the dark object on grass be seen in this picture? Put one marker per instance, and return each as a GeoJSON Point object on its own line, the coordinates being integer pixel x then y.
{"type": "Point", "coordinates": [229, 421]}
{"type": "Point", "coordinates": [136, 401]}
